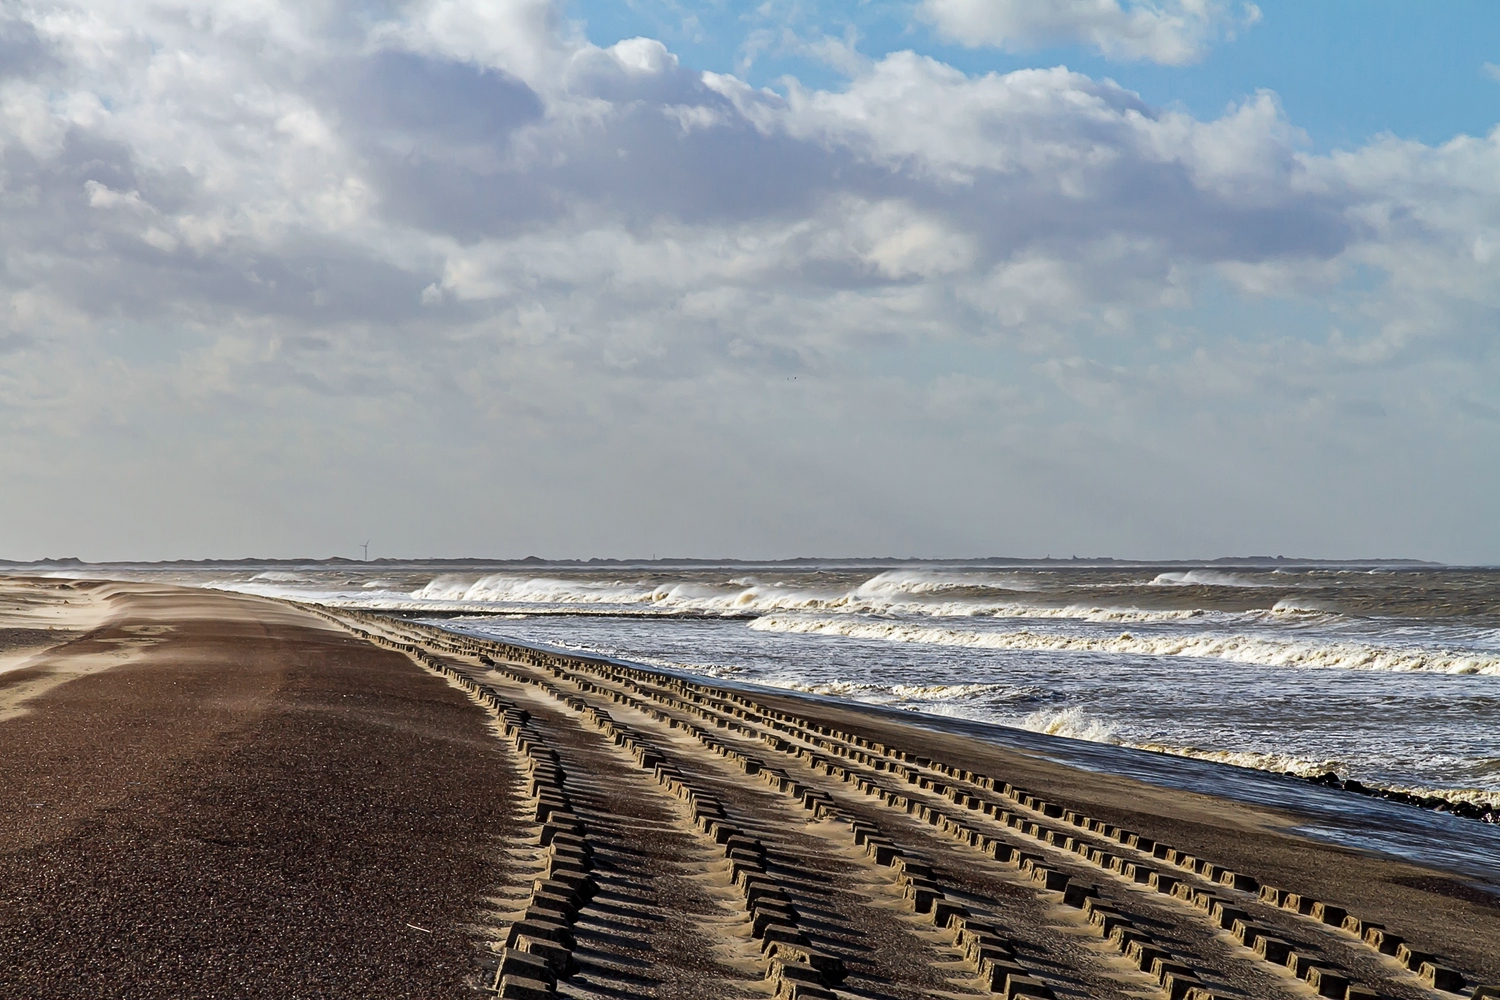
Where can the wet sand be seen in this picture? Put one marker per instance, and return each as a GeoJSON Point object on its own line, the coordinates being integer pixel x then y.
{"type": "Point", "coordinates": [207, 795]}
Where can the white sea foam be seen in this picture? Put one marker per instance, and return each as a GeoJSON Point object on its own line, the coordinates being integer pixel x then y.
{"type": "Point", "coordinates": [922, 581]}
{"type": "Point", "coordinates": [833, 688]}
{"type": "Point", "coordinates": [1303, 767]}
{"type": "Point", "coordinates": [908, 592]}
{"type": "Point", "coordinates": [678, 596]}
{"type": "Point", "coordinates": [1300, 606]}
{"type": "Point", "coordinates": [501, 588]}
{"type": "Point", "coordinates": [284, 589]}
{"type": "Point", "coordinates": [1278, 762]}
{"type": "Point", "coordinates": [947, 692]}
{"type": "Point", "coordinates": [1488, 798]}
{"type": "Point", "coordinates": [1092, 614]}
{"type": "Point", "coordinates": [970, 701]}
{"type": "Point", "coordinates": [1070, 722]}
{"type": "Point", "coordinates": [1234, 648]}
{"type": "Point", "coordinates": [1202, 578]}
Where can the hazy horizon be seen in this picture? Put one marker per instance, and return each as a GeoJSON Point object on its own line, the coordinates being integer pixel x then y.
{"type": "Point", "coordinates": [1248, 560]}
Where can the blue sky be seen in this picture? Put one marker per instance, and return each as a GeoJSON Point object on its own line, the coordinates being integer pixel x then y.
{"type": "Point", "coordinates": [1345, 70]}
{"type": "Point", "coordinates": [1143, 278]}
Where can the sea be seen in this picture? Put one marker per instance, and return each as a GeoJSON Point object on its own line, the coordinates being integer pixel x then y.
{"type": "Point", "coordinates": [1388, 673]}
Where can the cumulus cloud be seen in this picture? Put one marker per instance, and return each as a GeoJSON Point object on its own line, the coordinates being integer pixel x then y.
{"type": "Point", "coordinates": [1173, 32]}
{"type": "Point", "coordinates": [251, 245]}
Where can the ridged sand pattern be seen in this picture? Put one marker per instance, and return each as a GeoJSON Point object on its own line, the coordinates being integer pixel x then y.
{"type": "Point", "coordinates": [812, 862]}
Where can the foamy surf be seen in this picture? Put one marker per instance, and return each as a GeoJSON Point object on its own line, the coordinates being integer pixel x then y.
{"type": "Point", "coordinates": [894, 694]}
{"type": "Point", "coordinates": [909, 592]}
{"type": "Point", "coordinates": [1204, 578]}
{"type": "Point", "coordinates": [1279, 763]}
{"type": "Point", "coordinates": [1072, 723]}
{"type": "Point", "coordinates": [915, 581]}
{"type": "Point", "coordinates": [1231, 648]}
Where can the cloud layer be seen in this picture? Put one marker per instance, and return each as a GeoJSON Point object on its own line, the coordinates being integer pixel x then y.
{"type": "Point", "coordinates": [450, 274]}
{"type": "Point", "coordinates": [1173, 32]}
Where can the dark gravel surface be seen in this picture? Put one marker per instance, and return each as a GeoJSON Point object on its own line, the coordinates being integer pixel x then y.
{"type": "Point", "coordinates": [247, 808]}
{"type": "Point", "coordinates": [20, 639]}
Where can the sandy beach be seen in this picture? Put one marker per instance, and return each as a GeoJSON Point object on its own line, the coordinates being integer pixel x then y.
{"type": "Point", "coordinates": [214, 795]}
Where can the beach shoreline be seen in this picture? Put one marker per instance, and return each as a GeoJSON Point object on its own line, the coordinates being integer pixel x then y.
{"type": "Point", "coordinates": [237, 710]}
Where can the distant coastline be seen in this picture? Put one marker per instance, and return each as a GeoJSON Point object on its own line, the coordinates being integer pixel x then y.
{"type": "Point", "coordinates": [468, 562]}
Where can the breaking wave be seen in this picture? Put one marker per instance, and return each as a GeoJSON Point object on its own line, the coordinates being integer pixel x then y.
{"type": "Point", "coordinates": [912, 581]}
{"type": "Point", "coordinates": [280, 576]}
{"type": "Point", "coordinates": [1233, 648]}
{"type": "Point", "coordinates": [1300, 606]}
{"type": "Point", "coordinates": [947, 692]}
{"type": "Point", "coordinates": [928, 593]}
{"type": "Point", "coordinates": [1070, 722]}
{"type": "Point", "coordinates": [504, 589]}
{"type": "Point", "coordinates": [968, 701]}
{"type": "Point", "coordinates": [1203, 578]}
{"type": "Point", "coordinates": [1281, 763]}
{"type": "Point", "coordinates": [1276, 762]}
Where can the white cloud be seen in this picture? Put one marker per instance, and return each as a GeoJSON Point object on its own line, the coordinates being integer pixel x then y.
{"type": "Point", "coordinates": [468, 243]}
{"type": "Point", "coordinates": [1173, 32]}
{"type": "Point", "coordinates": [525, 38]}
{"type": "Point", "coordinates": [643, 55]}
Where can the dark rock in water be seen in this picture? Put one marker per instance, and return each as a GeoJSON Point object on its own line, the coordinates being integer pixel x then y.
{"type": "Point", "coordinates": [1328, 779]}
{"type": "Point", "coordinates": [1456, 807]}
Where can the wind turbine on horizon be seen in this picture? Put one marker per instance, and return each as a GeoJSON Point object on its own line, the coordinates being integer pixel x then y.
{"type": "Point", "coordinates": [366, 547]}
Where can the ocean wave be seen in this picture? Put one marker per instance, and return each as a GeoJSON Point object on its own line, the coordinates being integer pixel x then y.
{"type": "Point", "coordinates": [501, 588]}
{"type": "Point", "coordinates": [956, 692]}
{"type": "Point", "coordinates": [915, 581]}
{"type": "Point", "coordinates": [975, 700]}
{"type": "Point", "coordinates": [285, 590]}
{"type": "Point", "coordinates": [1203, 578]}
{"type": "Point", "coordinates": [835, 688]}
{"type": "Point", "coordinates": [913, 592]}
{"type": "Point", "coordinates": [1281, 763]}
{"type": "Point", "coordinates": [920, 593]}
{"type": "Point", "coordinates": [1483, 797]}
{"type": "Point", "coordinates": [1093, 614]}
{"type": "Point", "coordinates": [1072, 723]}
{"type": "Point", "coordinates": [1233, 648]}
{"type": "Point", "coordinates": [1301, 606]}
{"type": "Point", "coordinates": [1302, 767]}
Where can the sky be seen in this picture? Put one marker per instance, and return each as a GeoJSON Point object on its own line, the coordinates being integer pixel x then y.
{"type": "Point", "coordinates": [930, 278]}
